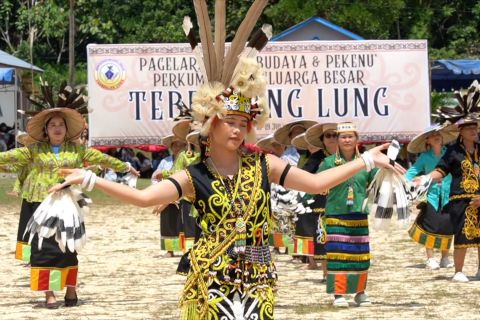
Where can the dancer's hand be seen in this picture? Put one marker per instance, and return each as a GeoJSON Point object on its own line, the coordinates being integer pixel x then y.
{"type": "Point", "coordinates": [382, 161]}
{"type": "Point", "coordinates": [475, 201]}
{"type": "Point", "coordinates": [157, 175]}
{"type": "Point", "coordinates": [12, 193]}
{"type": "Point", "coordinates": [72, 176]}
{"type": "Point", "coordinates": [418, 180]}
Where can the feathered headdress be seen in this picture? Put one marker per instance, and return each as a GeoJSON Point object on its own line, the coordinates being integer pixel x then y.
{"type": "Point", "coordinates": [467, 109]}
{"type": "Point", "coordinates": [67, 97]}
{"type": "Point", "coordinates": [234, 83]}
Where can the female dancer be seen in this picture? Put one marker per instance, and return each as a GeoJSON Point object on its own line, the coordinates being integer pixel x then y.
{"type": "Point", "coordinates": [347, 246]}
{"type": "Point", "coordinates": [431, 228]}
{"type": "Point", "coordinates": [461, 160]}
{"type": "Point", "coordinates": [54, 129]}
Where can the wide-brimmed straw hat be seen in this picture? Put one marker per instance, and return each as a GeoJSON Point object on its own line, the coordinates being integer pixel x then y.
{"type": "Point", "coordinates": [73, 120]}
{"type": "Point", "coordinates": [300, 142]}
{"type": "Point", "coordinates": [266, 142]}
{"type": "Point", "coordinates": [169, 140]}
{"type": "Point", "coordinates": [314, 133]}
{"type": "Point", "coordinates": [282, 134]}
{"type": "Point", "coordinates": [181, 128]}
{"type": "Point", "coordinates": [419, 143]}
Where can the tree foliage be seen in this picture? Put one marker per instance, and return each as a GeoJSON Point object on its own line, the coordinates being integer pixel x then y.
{"type": "Point", "coordinates": [451, 26]}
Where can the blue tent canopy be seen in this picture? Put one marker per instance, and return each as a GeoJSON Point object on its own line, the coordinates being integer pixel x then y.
{"type": "Point", "coordinates": [7, 75]}
{"type": "Point", "coordinates": [448, 75]}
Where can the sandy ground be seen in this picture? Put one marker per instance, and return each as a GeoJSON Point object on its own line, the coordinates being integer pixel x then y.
{"type": "Point", "coordinates": [124, 276]}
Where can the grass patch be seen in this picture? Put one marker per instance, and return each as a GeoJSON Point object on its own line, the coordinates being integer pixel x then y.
{"type": "Point", "coordinates": [98, 197]}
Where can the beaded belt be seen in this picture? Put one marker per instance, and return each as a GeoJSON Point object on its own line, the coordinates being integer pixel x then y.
{"type": "Point", "coordinates": [253, 254]}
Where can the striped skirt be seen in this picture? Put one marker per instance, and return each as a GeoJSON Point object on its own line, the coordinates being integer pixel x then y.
{"type": "Point", "coordinates": [280, 240]}
{"type": "Point", "coordinates": [431, 228]}
{"type": "Point", "coordinates": [348, 253]}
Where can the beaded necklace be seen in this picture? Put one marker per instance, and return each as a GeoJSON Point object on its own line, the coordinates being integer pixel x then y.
{"type": "Point", "coordinates": [240, 225]}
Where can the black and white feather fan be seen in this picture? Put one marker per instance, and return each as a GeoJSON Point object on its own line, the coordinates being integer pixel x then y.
{"type": "Point", "coordinates": [62, 215]}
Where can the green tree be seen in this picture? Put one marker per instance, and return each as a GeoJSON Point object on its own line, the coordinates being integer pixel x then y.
{"type": "Point", "coordinates": [361, 17]}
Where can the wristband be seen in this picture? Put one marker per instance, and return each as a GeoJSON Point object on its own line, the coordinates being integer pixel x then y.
{"type": "Point", "coordinates": [91, 182]}
{"type": "Point", "coordinates": [86, 178]}
{"type": "Point", "coordinates": [368, 159]}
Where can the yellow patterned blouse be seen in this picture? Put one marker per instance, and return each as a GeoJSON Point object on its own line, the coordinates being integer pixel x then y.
{"type": "Point", "coordinates": [43, 165]}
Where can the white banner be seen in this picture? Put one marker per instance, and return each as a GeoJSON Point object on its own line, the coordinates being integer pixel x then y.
{"type": "Point", "coordinates": [382, 86]}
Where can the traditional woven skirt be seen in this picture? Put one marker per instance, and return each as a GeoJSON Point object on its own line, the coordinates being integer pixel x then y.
{"type": "Point", "coordinates": [190, 231]}
{"type": "Point", "coordinates": [431, 228]}
{"type": "Point", "coordinates": [52, 269]}
{"type": "Point", "coordinates": [280, 240]}
{"type": "Point", "coordinates": [22, 250]}
{"type": "Point", "coordinates": [170, 225]}
{"type": "Point", "coordinates": [306, 231]}
{"type": "Point", "coordinates": [304, 238]}
{"type": "Point", "coordinates": [348, 253]}
{"type": "Point", "coordinates": [465, 221]}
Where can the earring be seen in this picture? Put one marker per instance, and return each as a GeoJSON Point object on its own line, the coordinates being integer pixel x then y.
{"type": "Point", "coordinates": [207, 147]}
{"type": "Point", "coordinates": [338, 160]}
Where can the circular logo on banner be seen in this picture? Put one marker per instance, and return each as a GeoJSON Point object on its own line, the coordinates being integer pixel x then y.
{"type": "Point", "coordinates": [110, 74]}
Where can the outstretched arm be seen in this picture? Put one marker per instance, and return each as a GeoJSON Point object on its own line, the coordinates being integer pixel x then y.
{"type": "Point", "coordinates": [301, 180]}
{"type": "Point", "coordinates": [164, 192]}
